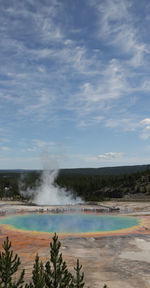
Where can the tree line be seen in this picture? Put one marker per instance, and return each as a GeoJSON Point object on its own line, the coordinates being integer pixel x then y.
{"type": "Point", "coordinates": [89, 187]}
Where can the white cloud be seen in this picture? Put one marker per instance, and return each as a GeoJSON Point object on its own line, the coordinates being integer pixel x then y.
{"type": "Point", "coordinates": [120, 82]}
{"type": "Point", "coordinates": [55, 73]}
{"type": "Point", "coordinates": [101, 92]}
{"type": "Point", "coordinates": [120, 160]}
{"type": "Point", "coordinates": [118, 27]}
{"type": "Point", "coordinates": [40, 103]}
{"type": "Point", "coordinates": [37, 145]}
{"type": "Point", "coordinates": [131, 124]}
{"type": "Point", "coordinates": [101, 85]}
{"type": "Point", "coordinates": [90, 121]}
{"type": "Point", "coordinates": [145, 133]}
{"type": "Point", "coordinates": [11, 98]}
{"type": "Point", "coordinates": [43, 144]}
{"type": "Point", "coordinates": [127, 124]}
{"type": "Point", "coordinates": [110, 155]}
{"type": "Point", "coordinates": [145, 121]}
{"type": "Point", "coordinates": [39, 19]}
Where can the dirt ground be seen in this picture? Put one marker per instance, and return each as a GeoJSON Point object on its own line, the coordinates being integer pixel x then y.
{"type": "Point", "coordinates": [119, 260]}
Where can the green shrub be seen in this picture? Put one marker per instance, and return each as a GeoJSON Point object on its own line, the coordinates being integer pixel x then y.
{"type": "Point", "coordinates": [54, 274]}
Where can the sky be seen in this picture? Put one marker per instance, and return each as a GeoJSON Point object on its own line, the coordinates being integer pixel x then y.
{"type": "Point", "coordinates": [75, 82]}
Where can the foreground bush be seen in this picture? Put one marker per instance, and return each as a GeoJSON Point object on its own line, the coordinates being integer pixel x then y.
{"type": "Point", "coordinates": [8, 267]}
{"type": "Point", "coordinates": [54, 274]}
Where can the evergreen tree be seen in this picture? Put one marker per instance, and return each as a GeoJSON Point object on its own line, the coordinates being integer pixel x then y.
{"type": "Point", "coordinates": [56, 272]}
{"type": "Point", "coordinates": [38, 277]}
{"type": "Point", "coordinates": [78, 279]}
{"type": "Point", "coordinates": [8, 267]}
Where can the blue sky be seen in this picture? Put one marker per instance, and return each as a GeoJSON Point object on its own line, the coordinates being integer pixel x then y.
{"type": "Point", "coordinates": [74, 81]}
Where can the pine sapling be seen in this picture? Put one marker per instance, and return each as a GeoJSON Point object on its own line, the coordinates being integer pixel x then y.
{"type": "Point", "coordinates": [79, 277]}
{"type": "Point", "coordinates": [38, 277]}
{"type": "Point", "coordinates": [8, 267]}
{"type": "Point", "coordinates": [57, 274]}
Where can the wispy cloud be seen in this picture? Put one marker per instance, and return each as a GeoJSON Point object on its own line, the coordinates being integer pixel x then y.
{"type": "Point", "coordinates": [41, 101]}
{"type": "Point", "coordinates": [110, 155]}
{"type": "Point", "coordinates": [90, 121]}
{"type": "Point", "coordinates": [109, 85]}
{"type": "Point", "coordinates": [118, 86]}
{"type": "Point", "coordinates": [119, 27]}
{"type": "Point", "coordinates": [60, 76]}
{"type": "Point", "coordinates": [145, 125]}
{"type": "Point", "coordinates": [145, 122]}
{"type": "Point", "coordinates": [113, 157]}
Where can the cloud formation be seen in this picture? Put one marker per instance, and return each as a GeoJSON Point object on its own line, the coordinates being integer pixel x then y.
{"type": "Point", "coordinates": [61, 78]}
{"type": "Point", "coordinates": [110, 155]}
{"type": "Point", "coordinates": [145, 124]}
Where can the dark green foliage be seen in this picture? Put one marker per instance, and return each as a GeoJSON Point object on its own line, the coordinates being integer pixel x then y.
{"type": "Point", "coordinates": [9, 185]}
{"type": "Point", "coordinates": [8, 267]}
{"type": "Point", "coordinates": [29, 181]}
{"type": "Point", "coordinates": [54, 275]}
{"type": "Point", "coordinates": [12, 182]}
{"type": "Point", "coordinates": [78, 279]}
{"type": "Point", "coordinates": [57, 274]}
{"type": "Point", "coordinates": [38, 276]}
{"type": "Point", "coordinates": [95, 184]}
{"type": "Point", "coordinates": [101, 187]}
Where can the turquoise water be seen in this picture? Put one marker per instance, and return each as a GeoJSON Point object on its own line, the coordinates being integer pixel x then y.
{"type": "Point", "coordinates": [69, 223]}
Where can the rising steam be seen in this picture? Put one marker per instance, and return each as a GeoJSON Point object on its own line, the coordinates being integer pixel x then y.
{"type": "Point", "coordinates": [49, 193]}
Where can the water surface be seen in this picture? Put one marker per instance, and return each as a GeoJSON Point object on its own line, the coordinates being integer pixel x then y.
{"type": "Point", "coordinates": [70, 223]}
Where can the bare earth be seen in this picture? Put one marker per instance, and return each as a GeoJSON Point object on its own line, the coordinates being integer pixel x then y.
{"type": "Point", "coordinates": [119, 260]}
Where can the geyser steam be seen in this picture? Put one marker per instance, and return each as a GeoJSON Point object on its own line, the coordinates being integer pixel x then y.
{"type": "Point", "coordinates": [49, 193]}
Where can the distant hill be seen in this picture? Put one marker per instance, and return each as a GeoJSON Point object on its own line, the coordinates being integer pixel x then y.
{"type": "Point", "coordinates": [106, 170]}
{"type": "Point", "coordinates": [15, 170]}
{"type": "Point", "coordinates": [120, 170]}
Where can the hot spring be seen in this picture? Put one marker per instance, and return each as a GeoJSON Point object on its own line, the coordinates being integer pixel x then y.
{"type": "Point", "coordinates": [69, 223]}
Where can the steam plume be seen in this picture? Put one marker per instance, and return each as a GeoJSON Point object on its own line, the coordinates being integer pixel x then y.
{"type": "Point", "coordinates": [49, 193]}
